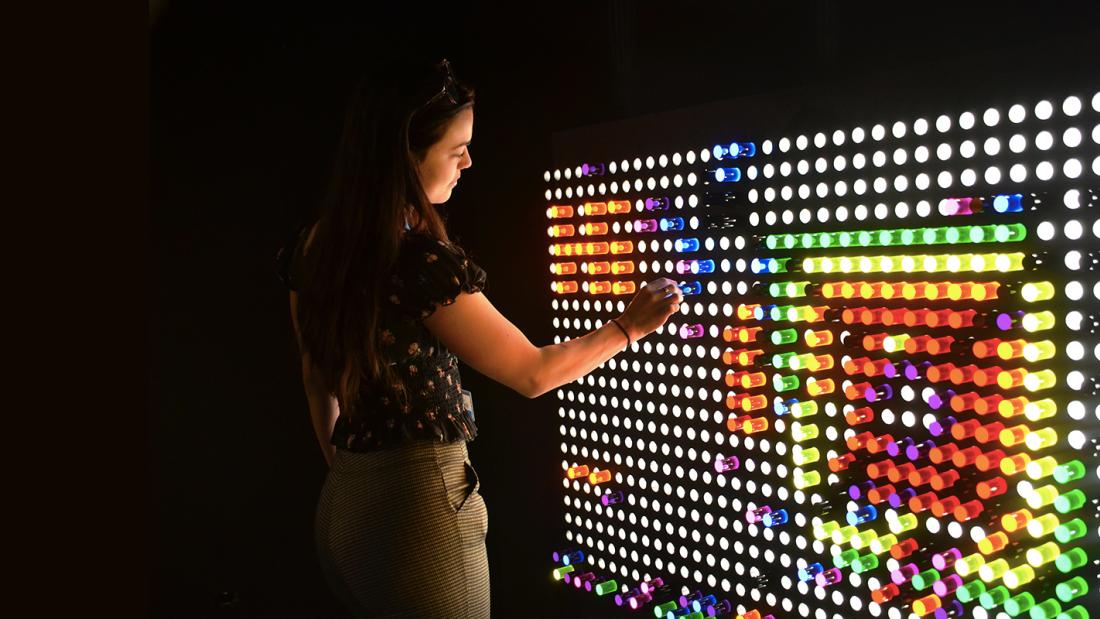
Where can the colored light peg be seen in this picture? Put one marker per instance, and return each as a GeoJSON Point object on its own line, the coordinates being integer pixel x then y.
{"type": "Point", "coordinates": [686, 599]}
{"type": "Point", "coordinates": [560, 556]}
{"type": "Point", "coordinates": [599, 477]}
{"type": "Point", "coordinates": [754, 614]}
{"type": "Point", "coordinates": [637, 601]}
{"type": "Point", "coordinates": [593, 169]}
{"type": "Point", "coordinates": [686, 245]}
{"type": "Point", "coordinates": [601, 588]}
{"type": "Point", "coordinates": [623, 599]}
{"type": "Point", "coordinates": [694, 266]}
{"type": "Point", "coordinates": [769, 265]}
{"type": "Point", "coordinates": [651, 585]}
{"type": "Point", "coordinates": [949, 610]}
{"type": "Point", "coordinates": [621, 288]}
{"type": "Point", "coordinates": [612, 498]}
{"type": "Point", "coordinates": [688, 332]}
{"type": "Point", "coordinates": [829, 577]}
{"type": "Point", "coordinates": [1008, 203]}
{"type": "Point", "coordinates": [783, 407]}
{"type": "Point", "coordinates": [775, 518]}
{"type": "Point", "coordinates": [657, 204]}
{"type": "Point", "coordinates": [946, 559]}
{"type": "Point", "coordinates": [734, 150]}
{"type": "Point", "coordinates": [646, 225]}
{"type": "Point", "coordinates": [701, 604]}
{"type": "Point", "coordinates": [721, 608]}
{"type": "Point", "coordinates": [669, 224]}
{"type": "Point", "coordinates": [691, 288]}
{"type": "Point", "coordinates": [754, 516]}
{"type": "Point", "coordinates": [960, 206]}
{"type": "Point", "coordinates": [556, 212]}
{"type": "Point", "coordinates": [577, 471]}
{"type": "Point", "coordinates": [560, 230]}
{"type": "Point", "coordinates": [578, 580]}
{"type": "Point", "coordinates": [806, 574]}
{"type": "Point", "coordinates": [572, 558]}
{"type": "Point", "coordinates": [727, 175]}
{"type": "Point", "coordinates": [862, 515]}
{"type": "Point", "coordinates": [563, 572]}
{"type": "Point", "coordinates": [725, 464]}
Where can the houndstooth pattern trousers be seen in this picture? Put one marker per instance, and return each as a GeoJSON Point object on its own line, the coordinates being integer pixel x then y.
{"type": "Point", "coordinates": [401, 532]}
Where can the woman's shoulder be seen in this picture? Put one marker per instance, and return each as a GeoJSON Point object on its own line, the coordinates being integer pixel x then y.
{"type": "Point", "coordinates": [413, 241]}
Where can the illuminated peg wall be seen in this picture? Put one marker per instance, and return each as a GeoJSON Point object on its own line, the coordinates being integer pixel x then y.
{"type": "Point", "coordinates": [879, 397]}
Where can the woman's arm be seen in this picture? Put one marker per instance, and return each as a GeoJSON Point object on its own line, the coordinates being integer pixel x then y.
{"type": "Point", "coordinates": [472, 328]}
{"type": "Point", "coordinates": [323, 407]}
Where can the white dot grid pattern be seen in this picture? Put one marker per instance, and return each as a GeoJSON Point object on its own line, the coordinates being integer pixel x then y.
{"type": "Point", "coordinates": [955, 155]}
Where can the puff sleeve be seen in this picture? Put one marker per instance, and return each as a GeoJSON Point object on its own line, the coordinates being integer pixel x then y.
{"type": "Point", "coordinates": [431, 273]}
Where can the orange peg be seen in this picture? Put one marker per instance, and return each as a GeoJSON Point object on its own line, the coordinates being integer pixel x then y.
{"type": "Point", "coordinates": [595, 228]}
{"type": "Point", "coordinates": [577, 471]}
{"type": "Point", "coordinates": [568, 287]}
{"type": "Point", "coordinates": [599, 477]}
{"type": "Point", "coordinates": [599, 268]}
{"type": "Point", "coordinates": [594, 208]}
{"type": "Point", "coordinates": [623, 288]}
{"type": "Point", "coordinates": [599, 287]}
{"type": "Point", "coordinates": [622, 267]}
{"type": "Point", "coordinates": [618, 206]}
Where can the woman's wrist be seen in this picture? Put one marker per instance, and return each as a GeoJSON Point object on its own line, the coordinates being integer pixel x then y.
{"type": "Point", "coordinates": [628, 329]}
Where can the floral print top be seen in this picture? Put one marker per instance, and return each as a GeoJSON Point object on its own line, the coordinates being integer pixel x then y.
{"type": "Point", "coordinates": [429, 273]}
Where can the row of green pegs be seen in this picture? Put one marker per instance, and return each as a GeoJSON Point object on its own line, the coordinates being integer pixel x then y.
{"type": "Point", "coordinates": [895, 237]}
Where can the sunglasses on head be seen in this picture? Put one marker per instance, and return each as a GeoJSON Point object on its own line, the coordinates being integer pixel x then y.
{"type": "Point", "coordinates": [448, 89]}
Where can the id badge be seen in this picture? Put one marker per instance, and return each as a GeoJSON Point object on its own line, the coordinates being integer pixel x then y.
{"type": "Point", "coordinates": [468, 403]}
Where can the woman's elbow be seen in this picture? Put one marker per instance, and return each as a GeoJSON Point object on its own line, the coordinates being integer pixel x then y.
{"type": "Point", "coordinates": [533, 384]}
{"type": "Point", "coordinates": [530, 387]}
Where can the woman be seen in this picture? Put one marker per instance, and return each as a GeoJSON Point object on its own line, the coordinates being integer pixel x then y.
{"type": "Point", "coordinates": [382, 302]}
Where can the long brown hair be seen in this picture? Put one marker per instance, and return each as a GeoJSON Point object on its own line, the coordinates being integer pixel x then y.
{"type": "Point", "coordinates": [392, 119]}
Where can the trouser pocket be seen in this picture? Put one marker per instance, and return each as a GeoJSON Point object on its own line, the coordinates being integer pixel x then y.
{"type": "Point", "coordinates": [473, 482]}
{"type": "Point", "coordinates": [460, 480]}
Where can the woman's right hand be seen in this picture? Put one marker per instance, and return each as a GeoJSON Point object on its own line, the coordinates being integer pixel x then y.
{"type": "Point", "coordinates": [651, 307]}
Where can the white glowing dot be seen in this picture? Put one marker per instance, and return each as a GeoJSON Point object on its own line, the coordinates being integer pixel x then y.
{"type": "Point", "coordinates": [1071, 106]}
{"type": "Point", "coordinates": [991, 117]}
{"type": "Point", "coordinates": [1076, 439]}
{"type": "Point", "coordinates": [1071, 137]}
{"type": "Point", "coordinates": [1073, 260]}
{"type": "Point", "coordinates": [966, 120]}
{"type": "Point", "coordinates": [1043, 110]}
{"type": "Point", "coordinates": [1044, 140]}
{"type": "Point", "coordinates": [1045, 170]}
{"type": "Point", "coordinates": [1017, 113]}
{"type": "Point", "coordinates": [1017, 143]}
{"type": "Point", "coordinates": [1073, 229]}
{"type": "Point", "coordinates": [943, 123]}
{"type": "Point", "coordinates": [1074, 290]}
{"type": "Point", "coordinates": [1072, 168]}
{"type": "Point", "coordinates": [1075, 350]}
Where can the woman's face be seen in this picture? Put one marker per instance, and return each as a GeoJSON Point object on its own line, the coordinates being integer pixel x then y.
{"type": "Point", "coordinates": [447, 158]}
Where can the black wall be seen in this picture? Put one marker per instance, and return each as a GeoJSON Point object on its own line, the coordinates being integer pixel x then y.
{"type": "Point", "coordinates": [245, 105]}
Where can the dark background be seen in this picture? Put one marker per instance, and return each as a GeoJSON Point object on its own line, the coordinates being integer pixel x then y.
{"type": "Point", "coordinates": [245, 107]}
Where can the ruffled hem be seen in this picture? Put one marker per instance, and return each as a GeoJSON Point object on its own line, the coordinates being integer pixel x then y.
{"type": "Point", "coordinates": [379, 435]}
